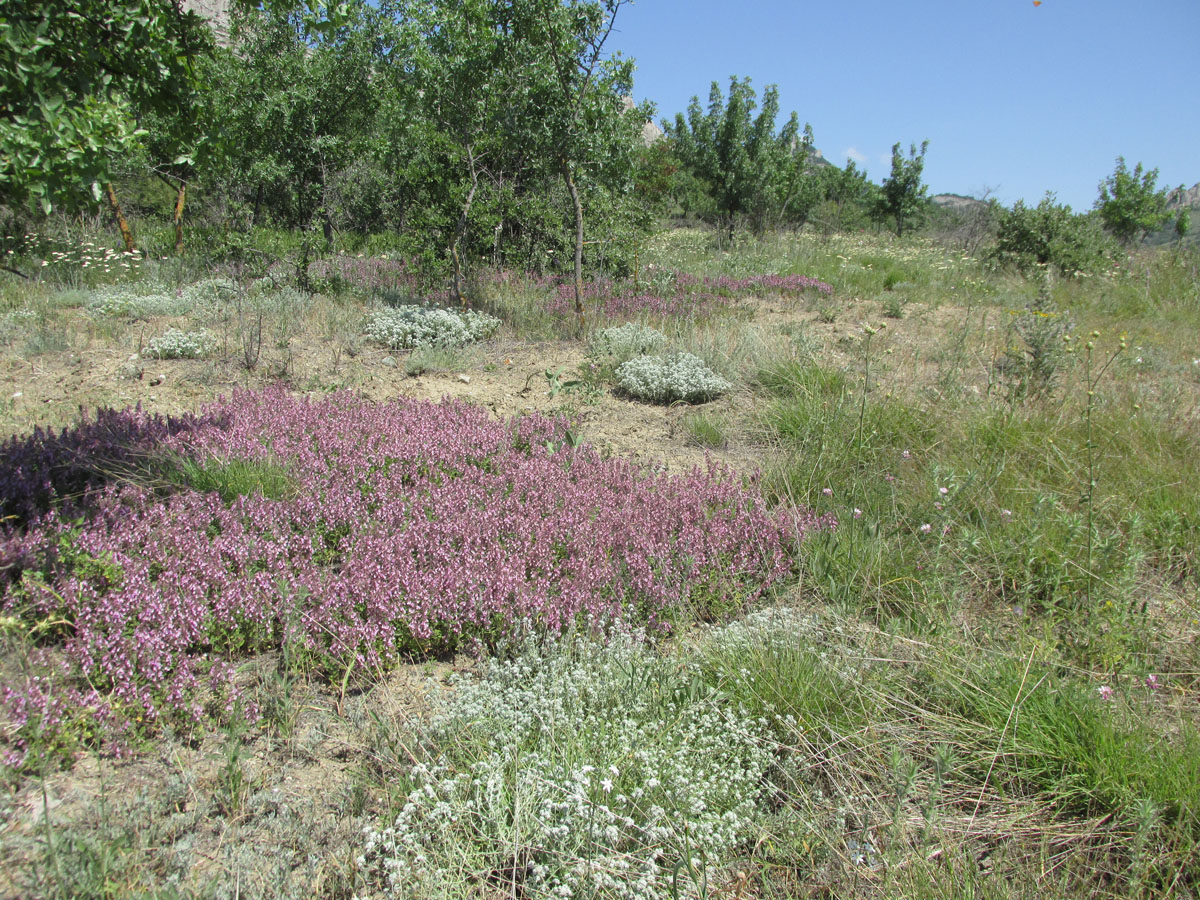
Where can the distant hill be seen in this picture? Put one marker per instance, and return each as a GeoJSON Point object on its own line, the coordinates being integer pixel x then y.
{"type": "Point", "coordinates": [955, 201]}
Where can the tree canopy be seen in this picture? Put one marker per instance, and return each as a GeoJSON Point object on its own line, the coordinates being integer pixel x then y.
{"type": "Point", "coordinates": [73, 76]}
{"type": "Point", "coordinates": [1130, 204]}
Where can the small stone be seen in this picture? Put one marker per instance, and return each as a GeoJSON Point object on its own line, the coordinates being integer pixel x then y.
{"type": "Point", "coordinates": [389, 361]}
{"type": "Point", "coordinates": [465, 379]}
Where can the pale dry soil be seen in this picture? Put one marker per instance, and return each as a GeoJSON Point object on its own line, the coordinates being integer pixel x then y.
{"type": "Point", "coordinates": [277, 809]}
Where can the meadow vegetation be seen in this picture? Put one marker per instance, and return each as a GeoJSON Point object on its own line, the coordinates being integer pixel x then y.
{"type": "Point", "coordinates": [475, 498]}
{"type": "Point", "coordinates": [945, 640]}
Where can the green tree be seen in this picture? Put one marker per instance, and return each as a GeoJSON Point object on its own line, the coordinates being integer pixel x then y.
{"type": "Point", "coordinates": [902, 200]}
{"type": "Point", "coordinates": [847, 196]}
{"type": "Point", "coordinates": [752, 173]}
{"type": "Point", "coordinates": [1130, 205]}
{"type": "Point", "coordinates": [1049, 235]}
{"type": "Point", "coordinates": [73, 74]}
{"type": "Point", "coordinates": [568, 102]}
{"type": "Point", "coordinates": [294, 108]}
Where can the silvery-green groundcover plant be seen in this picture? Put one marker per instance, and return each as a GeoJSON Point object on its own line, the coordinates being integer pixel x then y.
{"type": "Point", "coordinates": [680, 376]}
{"type": "Point", "coordinates": [575, 770]}
{"type": "Point", "coordinates": [176, 344]}
{"type": "Point", "coordinates": [414, 327]}
{"type": "Point", "coordinates": [625, 341]}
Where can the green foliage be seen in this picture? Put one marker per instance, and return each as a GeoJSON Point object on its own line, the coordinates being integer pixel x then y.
{"type": "Point", "coordinates": [292, 111]}
{"type": "Point", "coordinates": [234, 478]}
{"type": "Point", "coordinates": [708, 431]}
{"type": "Point", "coordinates": [1183, 224]}
{"type": "Point", "coordinates": [1129, 205]}
{"type": "Point", "coordinates": [847, 198]}
{"type": "Point", "coordinates": [66, 116]}
{"type": "Point", "coordinates": [1050, 236]}
{"type": "Point", "coordinates": [902, 199]}
{"type": "Point", "coordinates": [750, 172]}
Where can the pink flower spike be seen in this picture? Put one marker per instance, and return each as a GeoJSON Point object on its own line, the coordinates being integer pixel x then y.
{"type": "Point", "coordinates": [1152, 682]}
{"type": "Point", "coordinates": [1105, 692]}
{"type": "Point", "coordinates": [926, 528]}
{"type": "Point", "coordinates": [857, 513]}
{"type": "Point", "coordinates": [828, 492]}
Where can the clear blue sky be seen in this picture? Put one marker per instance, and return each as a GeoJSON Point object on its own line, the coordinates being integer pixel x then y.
{"type": "Point", "coordinates": [1018, 98]}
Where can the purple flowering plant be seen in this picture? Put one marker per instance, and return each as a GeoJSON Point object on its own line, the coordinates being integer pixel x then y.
{"type": "Point", "coordinates": [684, 294]}
{"type": "Point", "coordinates": [376, 530]}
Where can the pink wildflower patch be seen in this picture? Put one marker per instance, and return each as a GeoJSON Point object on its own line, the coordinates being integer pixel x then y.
{"type": "Point", "coordinates": [403, 527]}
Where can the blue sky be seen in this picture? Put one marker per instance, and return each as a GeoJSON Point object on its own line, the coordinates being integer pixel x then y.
{"type": "Point", "coordinates": [1018, 98]}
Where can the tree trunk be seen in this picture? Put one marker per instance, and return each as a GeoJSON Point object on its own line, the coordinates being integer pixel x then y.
{"type": "Point", "coordinates": [461, 228]}
{"type": "Point", "coordinates": [179, 218]}
{"type": "Point", "coordinates": [119, 216]}
{"type": "Point", "coordinates": [257, 206]}
{"type": "Point", "coordinates": [578, 206]}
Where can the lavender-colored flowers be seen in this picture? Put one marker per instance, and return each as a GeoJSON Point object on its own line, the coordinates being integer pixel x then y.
{"type": "Point", "coordinates": [683, 294]}
{"type": "Point", "coordinates": [410, 525]}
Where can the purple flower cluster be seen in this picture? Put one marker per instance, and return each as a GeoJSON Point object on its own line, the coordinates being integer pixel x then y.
{"type": "Point", "coordinates": [48, 468]}
{"type": "Point", "coordinates": [410, 525]}
{"type": "Point", "coordinates": [378, 274]}
{"type": "Point", "coordinates": [687, 294]}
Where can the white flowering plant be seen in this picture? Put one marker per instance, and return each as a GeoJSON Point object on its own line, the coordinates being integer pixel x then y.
{"type": "Point", "coordinates": [415, 327]}
{"type": "Point", "coordinates": [626, 341]}
{"type": "Point", "coordinates": [677, 377]}
{"type": "Point", "coordinates": [177, 344]}
{"type": "Point", "coordinates": [573, 770]}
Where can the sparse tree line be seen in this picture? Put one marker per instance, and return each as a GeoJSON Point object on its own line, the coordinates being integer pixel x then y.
{"type": "Point", "coordinates": [473, 130]}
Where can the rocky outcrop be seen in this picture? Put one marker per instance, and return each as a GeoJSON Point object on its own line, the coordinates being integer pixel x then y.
{"type": "Point", "coordinates": [1181, 197]}
{"type": "Point", "coordinates": [217, 12]}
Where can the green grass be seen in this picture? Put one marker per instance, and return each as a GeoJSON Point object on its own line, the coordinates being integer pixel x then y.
{"type": "Point", "coordinates": [932, 716]}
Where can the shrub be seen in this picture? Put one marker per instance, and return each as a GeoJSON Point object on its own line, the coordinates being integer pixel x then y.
{"type": "Point", "coordinates": [620, 767]}
{"type": "Point", "coordinates": [176, 344]}
{"type": "Point", "coordinates": [1049, 235]}
{"type": "Point", "coordinates": [678, 377]}
{"type": "Point", "coordinates": [627, 341]}
{"type": "Point", "coordinates": [413, 327]}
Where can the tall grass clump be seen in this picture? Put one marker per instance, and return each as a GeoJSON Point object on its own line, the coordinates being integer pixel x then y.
{"type": "Point", "coordinates": [1061, 501]}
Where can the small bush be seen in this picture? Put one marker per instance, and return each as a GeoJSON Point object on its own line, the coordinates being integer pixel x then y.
{"type": "Point", "coordinates": [627, 341]}
{"type": "Point", "coordinates": [1050, 236]}
{"type": "Point", "coordinates": [176, 344]}
{"type": "Point", "coordinates": [413, 327]}
{"type": "Point", "coordinates": [678, 377]}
